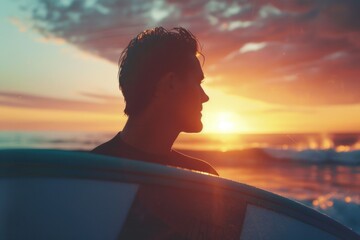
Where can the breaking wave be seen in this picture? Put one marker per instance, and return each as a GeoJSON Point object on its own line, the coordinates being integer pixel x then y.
{"type": "Point", "coordinates": [317, 156]}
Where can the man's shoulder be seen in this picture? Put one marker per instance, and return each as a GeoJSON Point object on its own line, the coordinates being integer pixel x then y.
{"type": "Point", "coordinates": [102, 148]}
{"type": "Point", "coordinates": [193, 163]}
{"type": "Point", "coordinates": [108, 148]}
{"type": "Point", "coordinates": [117, 148]}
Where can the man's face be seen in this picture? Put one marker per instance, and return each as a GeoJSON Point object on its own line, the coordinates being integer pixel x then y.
{"type": "Point", "coordinates": [189, 98]}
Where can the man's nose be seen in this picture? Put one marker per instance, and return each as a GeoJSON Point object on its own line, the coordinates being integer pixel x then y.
{"type": "Point", "coordinates": [204, 96]}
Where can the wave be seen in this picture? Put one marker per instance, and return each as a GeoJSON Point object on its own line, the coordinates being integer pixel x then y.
{"type": "Point", "coordinates": [341, 148]}
{"type": "Point", "coordinates": [316, 156]}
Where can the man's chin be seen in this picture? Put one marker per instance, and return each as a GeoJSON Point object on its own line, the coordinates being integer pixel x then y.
{"type": "Point", "coordinates": [194, 128]}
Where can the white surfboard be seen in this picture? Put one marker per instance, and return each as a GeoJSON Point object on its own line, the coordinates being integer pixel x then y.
{"type": "Point", "coordinates": [55, 194]}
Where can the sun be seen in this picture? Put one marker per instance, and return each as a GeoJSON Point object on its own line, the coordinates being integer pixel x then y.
{"type": "Point", "coordinates": [225, 122]}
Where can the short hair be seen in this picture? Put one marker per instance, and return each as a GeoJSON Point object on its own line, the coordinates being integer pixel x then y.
{"type": "Point", "coordinates": [149, 56]}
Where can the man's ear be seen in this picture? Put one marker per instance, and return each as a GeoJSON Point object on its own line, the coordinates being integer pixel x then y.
{"type": "Point", "coordinates": [167, 84]}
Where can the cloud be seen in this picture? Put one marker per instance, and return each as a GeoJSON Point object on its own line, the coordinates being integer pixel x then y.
{"type": "Point", "coordinates": [280, 110]}
{"type": "Point", "coordinates": [291, 52]}
{"type": "Point", "coordinates": [249, 47]}
{"type": "Point", "coordinates": [98, 103]}
{"type": "Point", "coordinates": [18, 24]}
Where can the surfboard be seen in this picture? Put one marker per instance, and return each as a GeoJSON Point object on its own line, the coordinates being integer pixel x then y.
{"type": "Point", "coordinates": [57, 194]}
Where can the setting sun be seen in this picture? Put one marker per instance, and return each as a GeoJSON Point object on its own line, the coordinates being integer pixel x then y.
{"type": "Point", "coordinates": [225, 123]}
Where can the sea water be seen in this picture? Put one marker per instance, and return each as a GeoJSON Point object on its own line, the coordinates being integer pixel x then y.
{"type": "Point", "coordinates": [320, 171]}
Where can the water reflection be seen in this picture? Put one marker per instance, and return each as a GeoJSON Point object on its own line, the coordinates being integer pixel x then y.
{"type": "Point", "coordinates": [299, 181]}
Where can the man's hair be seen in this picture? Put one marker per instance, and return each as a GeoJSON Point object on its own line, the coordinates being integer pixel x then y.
{"type": "Point", "coordinates": [149, 56]}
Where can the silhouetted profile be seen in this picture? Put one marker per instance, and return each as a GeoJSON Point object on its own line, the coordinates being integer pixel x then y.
{"type": "Point", "coordinates": [160, 78]}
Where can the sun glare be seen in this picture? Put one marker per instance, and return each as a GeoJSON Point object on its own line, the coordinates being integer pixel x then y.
{"type": "Point", "coordinates": [225, 123]}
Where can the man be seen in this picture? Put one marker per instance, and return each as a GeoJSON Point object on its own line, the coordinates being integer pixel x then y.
{"type": "Point", "coordinates": [160, 78]}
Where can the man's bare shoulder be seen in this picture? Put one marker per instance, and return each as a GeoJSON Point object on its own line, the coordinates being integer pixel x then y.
{"type": "Point", "coordinates": [193, 163]}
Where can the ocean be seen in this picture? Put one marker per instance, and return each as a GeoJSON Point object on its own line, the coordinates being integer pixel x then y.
{"type": "Point", "coordinates": [321, 171]}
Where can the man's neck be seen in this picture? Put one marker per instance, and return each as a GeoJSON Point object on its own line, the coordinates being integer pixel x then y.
{"type": "Point", "coordinates": [149, 135]}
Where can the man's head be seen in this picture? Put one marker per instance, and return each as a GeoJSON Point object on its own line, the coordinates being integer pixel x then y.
{"type": "Point", "coordinates": [166, 60]}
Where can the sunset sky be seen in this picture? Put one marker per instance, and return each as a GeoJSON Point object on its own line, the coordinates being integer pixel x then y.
{"type": "Point", "coordinates": [270, 66]}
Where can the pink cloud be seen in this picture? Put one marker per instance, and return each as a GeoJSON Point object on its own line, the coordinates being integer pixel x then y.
{"type": "Point", "coordinates": [299, 35]}
{"type": "Point", "coordinates": [102, 103]}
